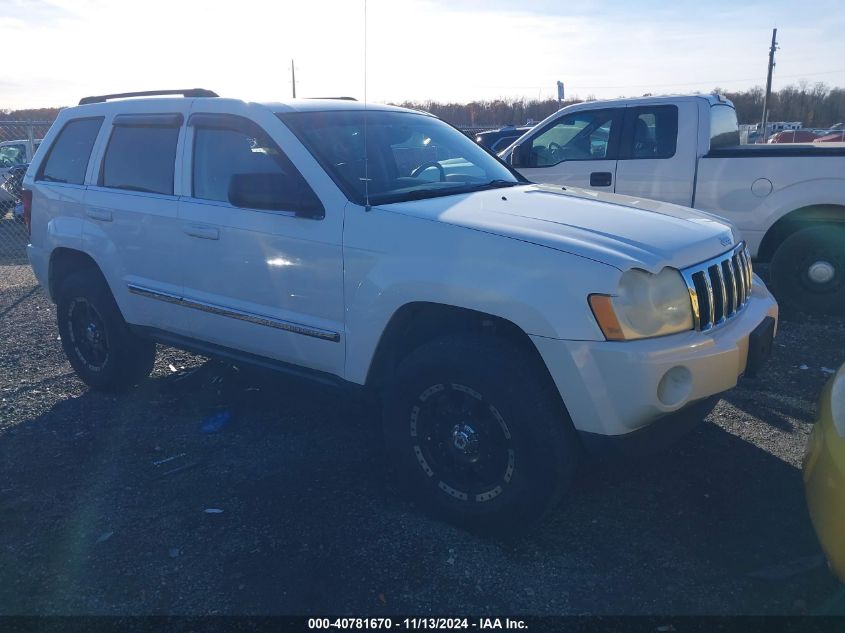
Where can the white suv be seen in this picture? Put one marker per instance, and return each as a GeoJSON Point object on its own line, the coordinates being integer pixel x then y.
{"type": "Point", "coordinates": [506, 326]}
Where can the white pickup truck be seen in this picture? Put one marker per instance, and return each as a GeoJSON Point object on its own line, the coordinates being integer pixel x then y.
{"type": "Point", "coordinates": [788, 201]}
{"type": "Point", "coordinates": [505, 326]}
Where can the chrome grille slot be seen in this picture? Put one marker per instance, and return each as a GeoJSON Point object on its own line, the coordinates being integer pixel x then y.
{"type": "Point", "coordinates": [719, 288]}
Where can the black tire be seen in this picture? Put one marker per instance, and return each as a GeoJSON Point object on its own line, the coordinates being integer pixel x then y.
{"type": "Point", "coordinates": [96, 339]}
{"type": "Point", "coordinates": [448, 412]}
{"type": "Point", "coordinates": [800, 258]}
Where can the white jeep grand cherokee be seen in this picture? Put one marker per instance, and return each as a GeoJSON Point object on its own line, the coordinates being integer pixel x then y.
{"type": "Point", "coordinates": [506, 326]}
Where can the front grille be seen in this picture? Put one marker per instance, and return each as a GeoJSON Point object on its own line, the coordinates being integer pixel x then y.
{"type": "Point", "coordinates": [719, 288]}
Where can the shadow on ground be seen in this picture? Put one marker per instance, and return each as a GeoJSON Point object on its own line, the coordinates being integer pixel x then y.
{"type": "Point", "coordinates": [104, 509]}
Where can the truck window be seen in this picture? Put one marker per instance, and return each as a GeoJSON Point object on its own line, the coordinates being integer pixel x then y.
{"type": "Point", "coordinates": [578, 136]}
{"type": "Point", "coordinates": [652, 132]}
{"type": "Point", "coordinates": [724, 128]}
{"type": "Point", "coordinates": [221, 153]}
{"type": "Point", "coordinates": [67, 159]}
{"type": "Point", "coordinates": [141, 159]}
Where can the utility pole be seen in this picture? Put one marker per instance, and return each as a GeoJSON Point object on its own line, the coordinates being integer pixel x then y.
{"type": "Point", "coordinates": [293, 78]}
{"type": "Point", "coordinates": [764, 131]}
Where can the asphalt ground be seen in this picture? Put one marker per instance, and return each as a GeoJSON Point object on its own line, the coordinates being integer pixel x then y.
{"type": "Point", "coordinates": [104, 500]}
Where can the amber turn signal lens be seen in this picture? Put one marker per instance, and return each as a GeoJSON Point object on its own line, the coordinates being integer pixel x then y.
{"type": "Point", "coordinates": [606, 317]}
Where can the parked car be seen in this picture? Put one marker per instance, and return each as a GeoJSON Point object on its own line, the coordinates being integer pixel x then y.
{"type": "Point", "coordinates": [824, 472]}
{"type": "Point", "coordinates": [788, 201]}
{"type": "Point", "coordinates": [835, 136]}
{"type": "Point", "coordinates": [13, 154]}
{"type": "Point", "coordinates": [500, 340]}
{"type": "Point", "coordinates": [11, 184]}
{"type": "Point", "coordinates": [793, 136]}
{"type": "Point", "coordinates": [497, 140]}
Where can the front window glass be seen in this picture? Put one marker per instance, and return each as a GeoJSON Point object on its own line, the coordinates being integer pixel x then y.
{"type": "Point", "coordinates": [579, 136]}
{"type": "Point", "coordinates": [724, 129]}
{"type": "Point", "coordinates": [408, 156]}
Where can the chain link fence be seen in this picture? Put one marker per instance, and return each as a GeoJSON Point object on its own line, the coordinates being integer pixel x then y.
{"type": "Point", "coordinates": [18, 142]}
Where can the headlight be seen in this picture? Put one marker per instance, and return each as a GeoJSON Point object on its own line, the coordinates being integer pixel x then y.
{"type": "Point", "coordinates": [837, 401]}
{"type": "Point", "coordinates": [645, 305]}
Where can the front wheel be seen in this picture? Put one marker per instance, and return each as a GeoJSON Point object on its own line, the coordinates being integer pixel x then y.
{"type": "Point", "coordinates": [476, 432]}
{"type": "Point", "coordinates": [808, 270]}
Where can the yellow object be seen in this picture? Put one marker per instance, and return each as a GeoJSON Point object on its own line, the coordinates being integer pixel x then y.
{"type": "Point", "coordinates": [824, 473]}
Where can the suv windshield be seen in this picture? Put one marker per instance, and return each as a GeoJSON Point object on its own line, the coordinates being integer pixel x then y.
{"type": "Point", "coordinates": [408, 156]}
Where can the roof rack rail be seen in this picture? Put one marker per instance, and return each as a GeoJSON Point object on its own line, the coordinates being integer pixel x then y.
{"type": "Point", "coordinates": [189, 92]}
{"type": "Point", "coordinates": [336, 98]}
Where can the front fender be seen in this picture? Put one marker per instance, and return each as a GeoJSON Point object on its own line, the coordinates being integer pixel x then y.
{"type": "Point", "coordinates": [392, 260]}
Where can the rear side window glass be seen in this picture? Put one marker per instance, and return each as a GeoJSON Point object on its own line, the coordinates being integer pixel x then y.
{"type": "Point", "coordinates": [68, 158]}
{"type": "Point", "coordinates": [724, 129]}
{"type": "Point", "coordinates": [141, 159]}
{"type": "Point", "coordinates": [654, 132]}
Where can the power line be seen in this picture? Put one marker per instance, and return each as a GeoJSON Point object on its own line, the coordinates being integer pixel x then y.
{"type": "Point", "coordinates": [711, 82]}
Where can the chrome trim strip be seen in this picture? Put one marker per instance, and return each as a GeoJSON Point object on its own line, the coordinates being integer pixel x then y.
{"type": "Point", "coordinates": [720, 276]}
{"type": "Point", "coordinates": [257, 319]}
{"type": "Point", "coordinates": [734, 293]}
{"type": "Point", "coordinates": [711, 303]}
{"type": "Point", "coordinates": [740, 279]}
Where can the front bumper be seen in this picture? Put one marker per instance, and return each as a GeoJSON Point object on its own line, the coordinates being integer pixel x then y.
{"type": "Point", "coordinates": [615, 388]}
{"type": "Point", "coordinates": [824, 484]}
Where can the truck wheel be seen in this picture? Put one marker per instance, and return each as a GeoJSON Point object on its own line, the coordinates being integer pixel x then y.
{"type": "Point", "coordinates": [808, 270]}
{"type": "Point", "coordinates": [96, 339]}
{"type": "Point", "coordinates": [477, 434]}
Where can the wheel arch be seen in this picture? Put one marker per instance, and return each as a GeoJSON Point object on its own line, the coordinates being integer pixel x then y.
{"type": "Point", "coordinates": [795, 221]}
{"type": "Point", "coordinates": [416, 323]}
{"type": "Point", "coordinates": [66, 261]}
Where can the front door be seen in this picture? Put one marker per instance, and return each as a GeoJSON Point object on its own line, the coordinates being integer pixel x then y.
{"type": "Point", "coordinates": [578, 149]}
{"type": "Point", "coordinates": [262, 280]}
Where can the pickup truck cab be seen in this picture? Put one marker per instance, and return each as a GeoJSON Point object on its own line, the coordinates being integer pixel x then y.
{"type": "Point", "coordinates": [505, 327]}
{"type": "Point", "coordinates": [788, 201]}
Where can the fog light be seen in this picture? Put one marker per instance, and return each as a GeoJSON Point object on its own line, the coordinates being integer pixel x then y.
{"type": "Point", "coordinates": [675, 386]}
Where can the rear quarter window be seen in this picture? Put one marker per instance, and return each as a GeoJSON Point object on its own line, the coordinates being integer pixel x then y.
{"type": "Point", "coordinates": [67, 159]}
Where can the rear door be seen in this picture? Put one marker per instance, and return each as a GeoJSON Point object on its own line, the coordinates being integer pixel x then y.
{"type": "Point", "coordinates": [131, 214]}
{"type": "Point", "coordinates": [657, 153]}
{"type": "Point", "coordinates": [578, 149]}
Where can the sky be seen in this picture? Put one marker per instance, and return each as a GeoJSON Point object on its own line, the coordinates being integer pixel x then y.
{"type": "Point", "coordinates": [57, 51]}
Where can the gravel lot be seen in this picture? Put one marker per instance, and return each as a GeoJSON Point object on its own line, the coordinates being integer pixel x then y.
{"type": "Point", "coordinates": [103, 500]}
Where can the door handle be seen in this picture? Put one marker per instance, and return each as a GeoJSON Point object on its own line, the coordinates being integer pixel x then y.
{"type": "Point", "coordinates": [601, 179]}
{"type": "Point", "coordinates": [103, 215]}
{"type": "Point", "coordinates": [202, 232]}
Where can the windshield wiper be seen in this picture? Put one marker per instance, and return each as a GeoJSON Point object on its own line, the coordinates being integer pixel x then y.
{"type": "Point", "coordinates": [52, 179]}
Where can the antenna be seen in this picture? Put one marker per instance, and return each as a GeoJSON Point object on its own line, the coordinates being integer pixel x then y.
{"type": "Point", "coordinates": [367, 206]}
{"type": "Point", "coordinates": [293, 78]}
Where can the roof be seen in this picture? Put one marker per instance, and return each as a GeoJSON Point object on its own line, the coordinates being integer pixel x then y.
{"type": "Point", "coordinates": [326, 105]}
{"type": "Point", "coordinates": [291, 105]}
{"type": "Point", "coordinates": [712, 99]}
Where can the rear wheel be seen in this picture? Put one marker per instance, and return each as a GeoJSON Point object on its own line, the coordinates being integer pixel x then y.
{"type": "Point", "coordinates": [808, 270]}
{"type": "Point", "coordinates": [476, 433]}
{"type": "Point", "coordinates": [96, 339]}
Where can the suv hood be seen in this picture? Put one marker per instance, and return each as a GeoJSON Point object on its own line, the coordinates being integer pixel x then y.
{"type": "Point", "coordinates": [623, 231]}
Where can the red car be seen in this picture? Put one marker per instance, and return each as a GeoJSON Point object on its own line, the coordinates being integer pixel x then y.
{"type": "Point", "coordinates": [837, 136]}
{"type": "Point", "coordinates": [793, 136]}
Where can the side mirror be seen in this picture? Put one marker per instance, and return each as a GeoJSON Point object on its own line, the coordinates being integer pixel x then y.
{"type": "Point", "coordinates": [521, 155]}
{"type": "Point", "coordinates": [275, 192]}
